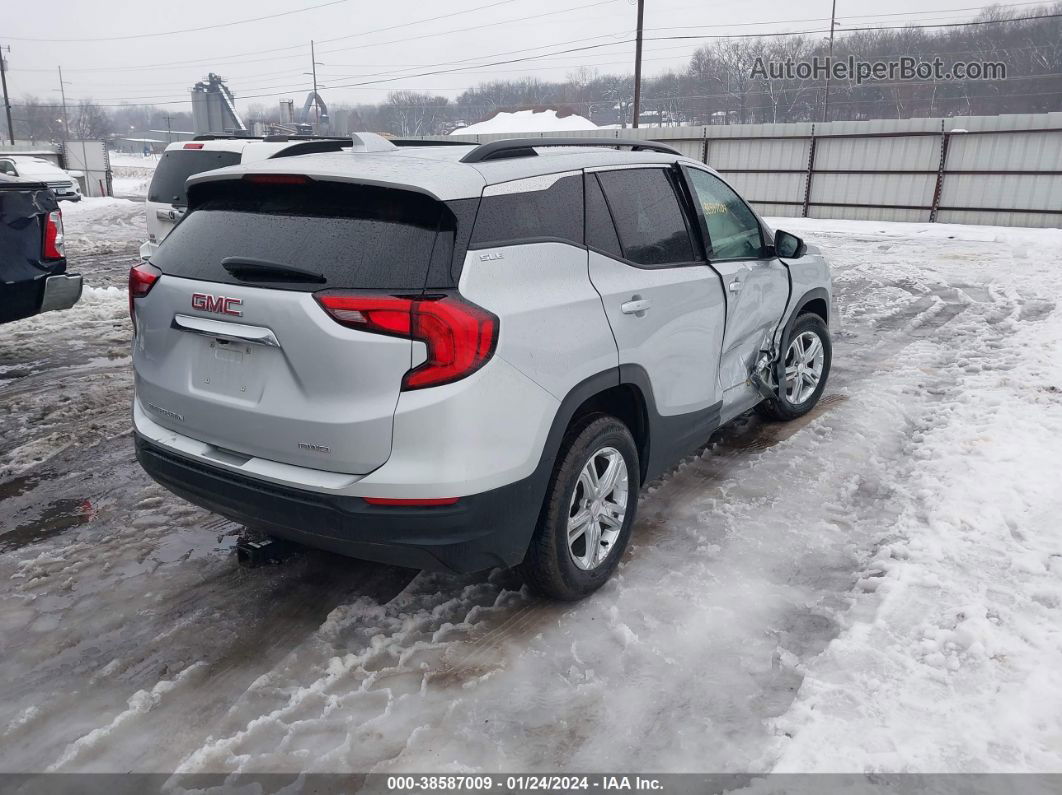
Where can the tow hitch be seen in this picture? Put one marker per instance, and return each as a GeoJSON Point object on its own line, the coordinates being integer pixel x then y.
{"type": "Point", "coordinates": [253, 553]}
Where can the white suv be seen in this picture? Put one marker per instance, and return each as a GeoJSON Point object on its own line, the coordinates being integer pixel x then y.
{"type": "Point", "coordinates": [166, 201]}
{"type": "Point", "coordinates": [462, 357]}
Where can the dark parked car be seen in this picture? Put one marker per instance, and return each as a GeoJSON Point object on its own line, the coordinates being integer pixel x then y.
{"type": "Point", "coordinates": [33, 277]}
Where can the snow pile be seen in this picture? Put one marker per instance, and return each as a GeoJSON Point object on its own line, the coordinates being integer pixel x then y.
{"type": "Point", "coordinates": [103, 225]}
{"type": "Point", "coordinates": [528, 121]}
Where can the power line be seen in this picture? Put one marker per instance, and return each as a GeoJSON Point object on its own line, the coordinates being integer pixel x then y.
{"type": "Point", "coordinates": [240, 58]}
{"type": "Point", "coordinates": [186, 30]}
{"type": "Point", "coordinates": [387, 78]}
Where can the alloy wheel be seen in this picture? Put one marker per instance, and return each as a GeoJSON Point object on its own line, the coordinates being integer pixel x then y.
{"type": "Point", "coordinates": [598, 508]}
{"type": "Point", "coordinates": [803, 367]}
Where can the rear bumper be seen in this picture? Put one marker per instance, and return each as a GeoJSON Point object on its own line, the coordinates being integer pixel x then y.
{"type": "Point", "coordinates": [23, 299]}
{"type": "Point", "coordinates": [480, 531]}
{"type": "Point", "coordinates": [61, 292]}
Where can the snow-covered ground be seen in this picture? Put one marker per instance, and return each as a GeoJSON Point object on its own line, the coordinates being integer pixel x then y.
{"type": "Point", "coordinates": [877, 586]}
{"type": "Point", "coordinates": [132, 174]}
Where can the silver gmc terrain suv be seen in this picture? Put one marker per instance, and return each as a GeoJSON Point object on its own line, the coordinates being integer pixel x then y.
{"type": "Point", "coordinates": [460, 356]}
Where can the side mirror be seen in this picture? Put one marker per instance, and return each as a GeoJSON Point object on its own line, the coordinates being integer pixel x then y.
{"type": "Point", "coordinates": [788, 246]}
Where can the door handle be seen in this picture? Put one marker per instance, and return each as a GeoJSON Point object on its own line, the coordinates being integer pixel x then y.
{"type": "Point", "coordinates": [635, 306]}
{"type": "Point", "coordinates": [735, 286]}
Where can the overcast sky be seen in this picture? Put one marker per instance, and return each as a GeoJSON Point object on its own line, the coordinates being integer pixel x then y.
{"type": "Point", "coordinates": [268, 57]}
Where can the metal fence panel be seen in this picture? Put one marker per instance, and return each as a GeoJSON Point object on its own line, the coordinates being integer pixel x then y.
{"type": "Point", "coordinates": [766, 187]}
{"type": "Point", "coordinates": [868, 214]}
{"type": "Point", "coordinates": [1002, 191]}
{"type": "Point", "coordinates": [1032, 151]}
{"type": "Point", "coordinates": [893, 190]}
{"type": "Point", "coordinates": [894, 153]}
{"type": "Point", "coordinates": [768, 154]}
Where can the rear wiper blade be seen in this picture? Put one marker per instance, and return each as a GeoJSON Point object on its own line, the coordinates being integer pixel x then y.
{"type": "Point", "coordinates": [248, 269]}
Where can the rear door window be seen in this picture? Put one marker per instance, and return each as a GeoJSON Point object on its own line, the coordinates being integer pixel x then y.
{"type": "Point", "coordinates": [177, 165]}
{"type": "Point", "coordinates": [649, 219]}
{"type": "Point", "coordinates": [600, 230]}
{"type": "Point", "coordinates": [353, 236]}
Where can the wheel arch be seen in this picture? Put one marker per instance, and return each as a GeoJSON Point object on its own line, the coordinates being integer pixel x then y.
{"type": "Point", "coordinates": [815, 301]}
{"type": "Point", "coordinates": [627, 393]}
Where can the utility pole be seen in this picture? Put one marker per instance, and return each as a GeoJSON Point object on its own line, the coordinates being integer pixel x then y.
{"type": "Point", "coordinates": [826, 96]}
{"type": "Point", "coordinates": [638, 66]}
{"type": "Point", "coordinates": [316, 101]}
{"type": "Point", "coordinates": [7, 102]}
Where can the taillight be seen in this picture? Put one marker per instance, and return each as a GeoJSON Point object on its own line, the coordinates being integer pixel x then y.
{"type": "Point", "coordinates": [142, 278]}
{"type": "Point", "coordinates": [53, 236]}
{"type": "Point", "coordinates": [460, 336]}
{"type": "Point", "coordinates": [193, 146]}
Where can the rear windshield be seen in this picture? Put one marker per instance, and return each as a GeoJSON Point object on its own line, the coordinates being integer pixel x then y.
{"type": "Point", "coordinates": [352, 236]}
{"type": "Point", "coordinates": [177, 165]}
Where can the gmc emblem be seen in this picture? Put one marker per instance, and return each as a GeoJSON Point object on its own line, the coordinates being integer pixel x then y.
{"type": "Point", "coordinates": [217, 303]}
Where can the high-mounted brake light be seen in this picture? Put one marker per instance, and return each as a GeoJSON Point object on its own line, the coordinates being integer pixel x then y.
{"type": "Point", "coordinates": [459, 335]}
{"type": "Point", "coordinates": [193, 146]}
{"type": "Point", "coordinates": [421, 503]}
{"type": "Point", "coordinates": [142, 278]}
{"type": "Point", "coordinates": [277, 179]}
{"type": "Point", "coordinates": [53, 235]}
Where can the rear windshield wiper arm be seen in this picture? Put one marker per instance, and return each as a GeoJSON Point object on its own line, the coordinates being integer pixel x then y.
{"type": "Point", "coordinates": [248, 269]}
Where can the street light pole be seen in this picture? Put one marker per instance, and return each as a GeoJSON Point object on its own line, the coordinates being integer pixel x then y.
{"type": "Point", "coordinates": [7, 102]}
{"type": "Point", "coordinates": [638, 66]}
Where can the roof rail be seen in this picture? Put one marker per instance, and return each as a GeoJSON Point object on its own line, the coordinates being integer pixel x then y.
{"type": "Point", "coordinates": [224, 136]}
{"type": "Point", "coordinates": [432, 142]}
{"type": "Point", "coordinates": [313, 147]}
{"type": "Point", "coordinates": [525, 147]}
{"type": "Point", "coordinates": [246, 136]}
{"type": "Point", "coordinates": [282, 137]}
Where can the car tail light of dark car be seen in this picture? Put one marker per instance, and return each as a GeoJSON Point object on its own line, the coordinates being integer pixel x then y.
{"type": "Point", "coordinates": [142, 278]}
{"type": "Point", "coordinates": [459, 335]}
{"type": "Point", "coordinates": [53, 236]}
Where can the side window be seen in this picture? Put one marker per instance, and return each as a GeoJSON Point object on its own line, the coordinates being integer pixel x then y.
{"type": "Point", "coordinates": [649, 220]}
{"type": "Point", "coordinates": [7, 167]}
{"type": "Point", "coordinates": [600, 231]}
{"type": "Point", "coordinates": [733, 229]}
{"type": "Point", "coordinates": [553, 212]}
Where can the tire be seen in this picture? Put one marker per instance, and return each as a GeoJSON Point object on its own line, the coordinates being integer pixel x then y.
{"type": "Point", "coordinates": [552, 566]}
{"type": "Point", "coordinates": [792, 402]}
